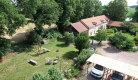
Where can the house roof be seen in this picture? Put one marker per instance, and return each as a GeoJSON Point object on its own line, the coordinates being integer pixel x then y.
{"type": "Point", "coordinates": [98, 19]}
{"type": "Point", "coordinates": [79, 26]}
{"type": "Point", "coordinates": [117, 23]}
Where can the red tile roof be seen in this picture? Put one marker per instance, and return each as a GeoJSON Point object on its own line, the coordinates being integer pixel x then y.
{"type": "Point", "coordinates": [117, 23]}
{"type": "Point", "coordinates": [79, 26]}
{"type": "Point", "coordinates": [97, 19]}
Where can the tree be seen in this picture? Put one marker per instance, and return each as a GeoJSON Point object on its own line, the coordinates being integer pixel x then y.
{"type": "Point", "coordinates": [71, 12]}
{"type": "Point", "coordinates": [82, 41]}
{"type": "Point", "coordinates": [135, 15]}
{"type": "Point", "coordinates": [10, 20]}
{"type": "Point", "coordinates": [92, 7]}
{"type": "Point", "coordinates": [127, 25]}
{"type": "Point", "coordinates": [101, 35]}
{"type": "Point", "coordinates": [69, 37]}
{"type": "Point", "coordinates": [41, 11]}
{"type": "Point", "coordinates": [117, 10]}
{"type": "Point", "coordinates": [55, 73]}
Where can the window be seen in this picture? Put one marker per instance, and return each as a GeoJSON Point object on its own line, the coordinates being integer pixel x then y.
{"type": "Point", "coordinates": [91, 33]}
{"type": "Point", "coordinates": [94, 31]}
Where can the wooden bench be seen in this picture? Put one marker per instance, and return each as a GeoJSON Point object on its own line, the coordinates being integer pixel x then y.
{"type": "Point", "coordinates": [33, 62]}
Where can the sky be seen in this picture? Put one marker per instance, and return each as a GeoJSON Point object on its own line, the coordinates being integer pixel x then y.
{"type": "Point", "coordinates": [129, 2]}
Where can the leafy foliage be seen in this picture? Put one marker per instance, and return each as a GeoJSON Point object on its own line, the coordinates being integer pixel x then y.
{"type": "Point", "coordinates": [129, 27]}
{"type": "Point", "coordinates": [40, 76]}
{"type": "Point", "coordinates": [101, 35]}
{"type": "Point", "coordinates": [92, 7]}
{"type": "Point", "coordinates": [121, 41]}
{"type": "Point", "coordinates": [69, 37]}
{"type": "Point", "coordinates": [73, 73]}
{"type": "Point", "coordinates": [10, 19]}
{"type": "Point", "coordinates": [32, 36]}
{"type": "Point", "coordinates": [4, 47]}
{"type": "Point", "coordinates": [116, 10]}
{"type": "Point", "coordinates": [55, 74]}
{"type": "Point", "coordinates": [53, 33]}
{"type": "Point", "coordinates": [134, 16]}
{"type": "Point", "coordinates": [82, 41]}
{"type": "Point", "coordinates": [84, 55]}
{"type": "Point", "coordinates": [109, 31]}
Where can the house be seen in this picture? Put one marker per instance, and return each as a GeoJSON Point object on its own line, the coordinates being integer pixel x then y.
{"type": "Point", "coordinates": [89, 24]}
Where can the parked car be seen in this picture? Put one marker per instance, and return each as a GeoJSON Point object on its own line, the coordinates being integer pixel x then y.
{"type": "Point", "coordinates": [97, 71]}
{"type": "Point", "coordinates": [117, 76]}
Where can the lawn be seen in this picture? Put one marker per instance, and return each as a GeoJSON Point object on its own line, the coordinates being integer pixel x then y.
{"type": "Point", "coordinates": [18, 68]}
{"type": "Point", "coordinates": [130, 10]}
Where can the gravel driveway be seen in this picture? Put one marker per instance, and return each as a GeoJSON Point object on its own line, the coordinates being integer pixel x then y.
{"type": "Point", "coordinates": [110, 51]}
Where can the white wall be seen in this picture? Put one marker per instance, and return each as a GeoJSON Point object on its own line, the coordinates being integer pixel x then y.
{"type": "Point", "coordinates": [94, 29]}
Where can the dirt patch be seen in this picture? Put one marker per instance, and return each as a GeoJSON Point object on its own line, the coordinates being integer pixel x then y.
{"type": "Point", "coordinates": [20, 33]}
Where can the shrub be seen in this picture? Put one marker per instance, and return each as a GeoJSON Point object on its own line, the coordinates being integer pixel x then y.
{"type": "Point", "coordinates": [53, 33]}
{"type": "Point", "coordinates": [40, 76]}
{"type": "Point", "coordinates": [136, 38]}
{"type": "Point", "coordinates": [32, 36]}
{"type": "Point", "coordinates": [109, 30]}
{"type": "Point", "coordinates": [121, 41]}
{"type": "Point", "coordinates": [4, 47]}
{"type": "Point", "coordinates": [84, 55]}
{"type": "Point", "coordinates": [69, 37]}
{"type": "Point", "coordinates": [55, 74]}
{"type": "Point", "coordinates": [82, 41]}
{"type": "Point", "coordinates": [73, 73]}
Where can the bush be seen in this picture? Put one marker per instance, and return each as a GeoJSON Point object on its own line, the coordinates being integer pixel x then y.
{"type": "Point", "coordinates": [82, 41]}
{"type": "Point", "coordinates": [69, 37]}
{"type": "Point", "coordinates": [53, 33]}
{"type": "Point", "coordinates": [73, 73]}
{"type": "Point", "coordinates": [55, 74]}
{"type": "Point", "coordinates": [4, 47]}
{"type": "Point", "coordinates": [122, 41]}
{"type": "Point", "coordinates": [109, 30]}
{"type": "Point", "coordinates": [32, 36]}
{"type": "Point", "coordinates": [84, 55]}
{"type": "Point", "coordinates": [40, 76]}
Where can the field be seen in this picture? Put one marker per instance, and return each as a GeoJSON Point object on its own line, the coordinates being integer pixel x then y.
{"type": "Point", "coordinates": [131, 10]}
{"type": "Point", "coordinates": [16, 66]}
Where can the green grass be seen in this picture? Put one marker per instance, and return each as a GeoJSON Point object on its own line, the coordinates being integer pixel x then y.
{"type": "Point", "coordinates": [130, 10]}
{"type": "Point", "coordinates": [18, 67]}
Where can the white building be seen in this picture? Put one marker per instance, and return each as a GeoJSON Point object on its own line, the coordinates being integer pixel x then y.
{"type": "Point", "coordinates": [89, 24]}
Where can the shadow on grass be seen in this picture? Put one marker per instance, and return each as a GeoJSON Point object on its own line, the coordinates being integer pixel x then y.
{"type": "Point", "coordinates": [32, 63]}
{"type": "Point", "coordinates": [62, 45]}
{"type": "Point", "coordinates": [70, 55]}
{"type": "Point", "coordinates": [61, 39]}
{"type": "Point", "coordinates": [35, 55]}
{"type": "Point", "coordinates": [19, 47]}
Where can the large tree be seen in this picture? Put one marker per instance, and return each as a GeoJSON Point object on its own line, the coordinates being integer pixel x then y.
{"type": "Point", "coordinates": [71, 12]}
{"type": "Point", "coordinates": [41, 11]}
{"type": "Point", "coordinates": [117, 10]}
{"type": "Point", "coordinates": [10, 20]}
{"type": "Point", "coordinates": [135, 15]}
{"type": "Point", "coordinates": [92, 7]}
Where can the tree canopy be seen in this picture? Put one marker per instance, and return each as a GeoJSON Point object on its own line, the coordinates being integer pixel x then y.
{"type": "Point", "coordinates": [117, 10]}
{"type": "Point", "coordinates": [82, 41]}
{"type": "Point", "coordinates": [135, 15]}
{"type": "Point", "coordinates": [100, 35]}
{"type": "Point", "coordinates": [10, 19]}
